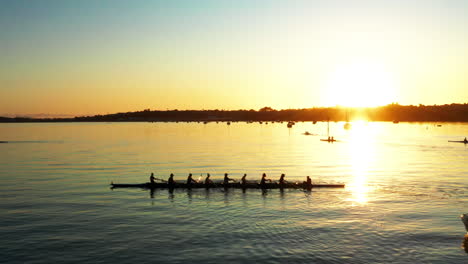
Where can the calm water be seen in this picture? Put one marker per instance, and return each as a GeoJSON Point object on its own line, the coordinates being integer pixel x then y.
{"type": "Point", "coordinates": [405, 189]}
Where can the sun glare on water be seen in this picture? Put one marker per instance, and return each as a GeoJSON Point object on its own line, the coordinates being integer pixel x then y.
{"type": "Point", "coordinates": [362, 154]}
{"type": "Point", "coordinates": [360, 85]}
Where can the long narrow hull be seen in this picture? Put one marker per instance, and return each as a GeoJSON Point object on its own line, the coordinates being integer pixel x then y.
{"type": "Point", "coordinates": [231, 185]}
{"type": "Point", "coordinates": [458, 141]}
{"type": "Point", "coordinates": [329, 140]}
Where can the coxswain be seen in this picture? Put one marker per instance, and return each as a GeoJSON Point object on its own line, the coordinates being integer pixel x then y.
{"type": "Point", "coordinates": [226, 179]}
{"type": "Point", "coordinates": [171, 181]}
{"type": "Point", "coordinates": [190, 180]}
{"type": "Point", "coordinates": [281, 180]}
{"type": "Point", "coordinates": [263, 180]}
{"type": "Point", "coordinates": [152, 178]}
{"type": "Point", "coordinates": [243, 180]}
{"type": "Point", "coordinates": [207, 180]}
{"type": "Point", "coordinates": [465, 140]}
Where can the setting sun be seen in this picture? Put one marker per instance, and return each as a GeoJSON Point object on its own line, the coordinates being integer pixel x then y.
{"type": "Point", "coordinates": [360, 85]}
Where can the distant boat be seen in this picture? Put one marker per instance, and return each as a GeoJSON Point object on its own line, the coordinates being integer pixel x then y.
{"type": "Point", "coordinates": [328, 139]}
{"type": "Point", "coordinates": [290, 124]}
{"type": "Point", "coordinates": [396, 121]}
{"type": "Point", "coordinates": [3, 141]}
{"type": "Point", "coordinates": [459, 141]}
{"type": "Point", "coordinates": [347, 125]}
{"type": "Point", "coordinates": [228, 123]}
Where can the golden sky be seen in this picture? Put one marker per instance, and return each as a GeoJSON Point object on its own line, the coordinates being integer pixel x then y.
{"type": "Point", "coordinates": [97, 57]}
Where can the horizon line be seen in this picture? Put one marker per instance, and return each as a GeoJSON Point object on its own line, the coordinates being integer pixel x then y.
{"type": "Point", "coordinates": [49, 115]}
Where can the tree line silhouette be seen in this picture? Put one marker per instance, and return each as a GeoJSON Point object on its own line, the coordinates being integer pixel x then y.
{"type": "Point", "coordinates": [391, 112]}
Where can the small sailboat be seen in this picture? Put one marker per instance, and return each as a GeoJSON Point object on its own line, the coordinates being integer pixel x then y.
{"type": "Point", "coordinates": [347, 125]}
{"type": "Point", "coordinates": [328, 139]}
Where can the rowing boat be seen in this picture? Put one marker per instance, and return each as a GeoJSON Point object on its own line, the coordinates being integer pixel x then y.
{"type": "Point", "coordinates": [458, 141]}
{"type": "Point", "coordinates": [329, 140]}
{"type": "Point", "coordinates": [291, 185]}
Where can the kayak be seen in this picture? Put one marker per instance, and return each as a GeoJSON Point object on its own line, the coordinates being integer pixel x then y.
{"type": "Point", "coordinates": [295, 185]}
{"type": "Point", "coordinates": [3, 141]}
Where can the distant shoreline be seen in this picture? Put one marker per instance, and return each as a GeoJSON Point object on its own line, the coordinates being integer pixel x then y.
{"type": "Point", "coordinates": [389, 113]}
{"type": "Point", "coordinates": [42, 121]}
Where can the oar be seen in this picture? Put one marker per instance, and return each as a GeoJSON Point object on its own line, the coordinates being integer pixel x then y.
{"type": "Point", "coordinates": [160, 180]}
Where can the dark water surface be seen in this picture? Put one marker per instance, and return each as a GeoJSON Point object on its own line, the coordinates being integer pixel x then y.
{"type": "Point", "coordinates": [405, 189]}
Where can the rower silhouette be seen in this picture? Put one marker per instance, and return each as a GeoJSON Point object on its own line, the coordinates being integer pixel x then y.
{"type": "Point", "coordinates": [263, 181]}
{"type": "Point", "coordinates": [190, 180]}
{"type": "Point", "coordinates": [308, 183]}
{"type": "Point", "coordinates": [208, 182]}
{"type": "Point", "coordinates": [226, 179]}
{"type": "Point", "coordinates": [244, 180]}
{"type": "Point", "coordinates": [281, 180]}
{"type": "Point", "coordinates": [170, 181]}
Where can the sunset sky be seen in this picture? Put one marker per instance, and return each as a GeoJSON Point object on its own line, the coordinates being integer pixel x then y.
{"type": "Point", "coordinates": [97, 57]}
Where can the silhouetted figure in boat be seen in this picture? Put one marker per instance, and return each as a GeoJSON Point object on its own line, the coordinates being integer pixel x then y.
{"type": "Point", "coordinates": [281, 180]}
{"type": "Point", "coordinates": [190, 180]}
{"type": "Point", "coordinates": [152, 178]}
{"type": "Point", "coordinates": [263, 181]}
{"type": "Point", "coordinates": [208, 182]}
{"type": "Point", "coordinates": [465, 140]}
{"type": "Point", "coordinates": [308, 183]}
{"type": "Point", "coordinates": [244, 180]}
{"type": "Point", "coordinates": [226, 179]}
{"type": "Point", "coordinates": [171, 181]}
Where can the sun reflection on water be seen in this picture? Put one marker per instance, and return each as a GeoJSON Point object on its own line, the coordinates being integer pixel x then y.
{"type": "Point", "coordinates": [361, 153]}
